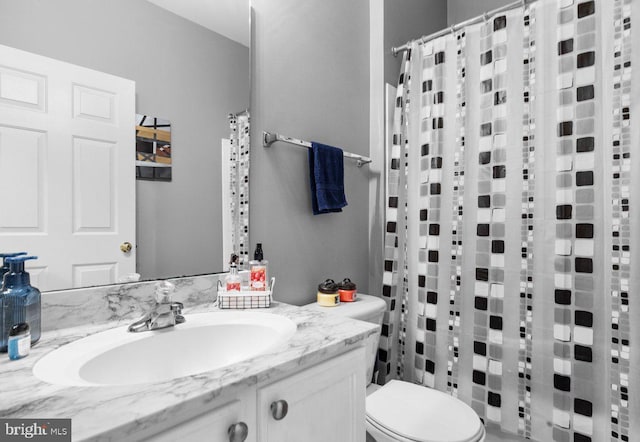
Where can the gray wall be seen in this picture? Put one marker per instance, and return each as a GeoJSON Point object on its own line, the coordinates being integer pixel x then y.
{"type": "Point", "coordinates": [406, 20]}
{"type": "Point", "coordinates": [184, 73]}
{"type": "Point", "coordinates": [311, 81]}
{"type": "Point", "coordinates": [461, 10]}
{"type": "Point", "coordinates": [401, 21]}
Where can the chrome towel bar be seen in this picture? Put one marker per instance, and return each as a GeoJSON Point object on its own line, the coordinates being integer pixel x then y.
{"type": "Point", "coordinates": [269, 138]}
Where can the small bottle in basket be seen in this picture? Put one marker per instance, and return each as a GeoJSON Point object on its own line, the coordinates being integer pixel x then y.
{"type": "Point", "coordinates": [258, 277]}
{"type": "Point", "coordinates": [232, 281]}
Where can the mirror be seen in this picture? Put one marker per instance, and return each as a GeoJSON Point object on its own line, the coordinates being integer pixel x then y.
{"type": "Point", "coordinates": [184, 72]}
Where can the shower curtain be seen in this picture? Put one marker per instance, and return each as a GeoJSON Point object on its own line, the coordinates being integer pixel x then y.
{"type": "Point", "coordinates": [512, 220]}
{"type": "Point", "coordinates": [239, 183]}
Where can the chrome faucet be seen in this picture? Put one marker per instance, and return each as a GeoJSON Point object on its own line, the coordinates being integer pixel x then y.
{"type": "Point", "coordinates": [164, 314]}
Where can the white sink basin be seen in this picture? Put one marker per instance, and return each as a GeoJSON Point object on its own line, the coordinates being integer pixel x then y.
{"type": "Point", "coordinates": [206, 341]}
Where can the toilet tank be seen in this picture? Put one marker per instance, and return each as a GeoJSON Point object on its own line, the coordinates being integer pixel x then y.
{"type": "Point", "coordinates": [366, 308]}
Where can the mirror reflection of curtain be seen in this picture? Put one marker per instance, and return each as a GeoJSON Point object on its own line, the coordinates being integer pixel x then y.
{"type": "Point", "coordinates": [510, 228]}
{"type": "Point", "coordinates": [239, 184]}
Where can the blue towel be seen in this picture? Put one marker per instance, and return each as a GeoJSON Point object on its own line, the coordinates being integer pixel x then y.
{"type": "Point", "coordinates": [326, 170]}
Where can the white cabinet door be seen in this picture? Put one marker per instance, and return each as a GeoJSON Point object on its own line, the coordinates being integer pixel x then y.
{"type": "Point", "coordinates": [67, 169]}
{"type": "Point", "coordinates": [214, 426]}
{"type": "Point", "coordinates": [325, 403]}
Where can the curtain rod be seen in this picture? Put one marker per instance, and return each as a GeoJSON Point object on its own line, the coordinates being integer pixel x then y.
{"type": "Point", "coordinates": [396, 50]}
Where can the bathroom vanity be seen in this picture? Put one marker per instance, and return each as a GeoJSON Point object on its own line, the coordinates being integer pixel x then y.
{"type": "Point", "coordinates": [320, 403]}
{"type": "Point", "coordinates": [310, 388]}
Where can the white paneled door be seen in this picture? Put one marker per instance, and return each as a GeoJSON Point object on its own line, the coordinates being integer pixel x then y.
{"type": "Point", "coordinates": [67, 170]}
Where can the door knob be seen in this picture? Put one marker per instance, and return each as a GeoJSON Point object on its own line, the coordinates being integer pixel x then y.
{"type": "Point", "coordinates": [126, 247]}
{"type": "Point", "coordinates": [238, 432]}
{"type": "Point", "coordinates": [279, 409]}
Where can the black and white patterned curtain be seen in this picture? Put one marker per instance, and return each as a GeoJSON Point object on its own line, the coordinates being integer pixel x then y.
{"type": "Point", "coordinates": [511, 220]}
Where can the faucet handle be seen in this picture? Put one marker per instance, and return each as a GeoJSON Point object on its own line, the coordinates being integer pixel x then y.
{"type": "Point", "coordinates": [177, 307]}
{"type": "Point", "coordinates": [164, 290]}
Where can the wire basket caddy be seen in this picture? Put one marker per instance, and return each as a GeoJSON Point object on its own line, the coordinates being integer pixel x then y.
{"type": "Point", "coordinates": [245, 299]}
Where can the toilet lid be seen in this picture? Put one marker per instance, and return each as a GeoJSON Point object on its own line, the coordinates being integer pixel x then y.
{"type": "Point", "coordinates": [422, 414]}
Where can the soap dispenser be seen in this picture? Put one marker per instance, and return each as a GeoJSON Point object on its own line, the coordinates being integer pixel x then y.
{"type": "Point", "coordinates": [233, 280]}
{"type": "Point", "coordinates": [20, 301]}
{"type": "Point", "coordinates": [258, 270]}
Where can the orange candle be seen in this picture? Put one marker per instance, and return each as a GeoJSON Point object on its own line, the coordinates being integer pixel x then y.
{"type": "Point", "coordinates": [347, 290]}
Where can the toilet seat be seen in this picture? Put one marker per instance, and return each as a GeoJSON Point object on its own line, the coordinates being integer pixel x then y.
{"type": "Point", "coordinates": [381, 434]}
{"type": "Point", "coordinates": [412, 413]}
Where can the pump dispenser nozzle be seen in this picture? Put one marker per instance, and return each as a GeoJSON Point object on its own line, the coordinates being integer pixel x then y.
{"type": "Point", "coordinates": [16, 274]}
{"type": "Point", "coordinates": [258, 255]}
{"type": "Point", "coordinates": [11, 255]}
{"type": "Point", "coordinates": [16, 263]}
{"type": "Point", "coordinates": [5, 265]}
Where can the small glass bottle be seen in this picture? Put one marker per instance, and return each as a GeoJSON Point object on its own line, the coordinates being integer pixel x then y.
{"type": "Point", "coordinates": [19, 341]}
{"type": "Point", "coordinates": [233, 280]}
{"type": "Point", "coordinates": [258, 270]}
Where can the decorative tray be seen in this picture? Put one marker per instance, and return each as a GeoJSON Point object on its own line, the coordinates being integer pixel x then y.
{"type": "Point", "coordinates": [244, 299]}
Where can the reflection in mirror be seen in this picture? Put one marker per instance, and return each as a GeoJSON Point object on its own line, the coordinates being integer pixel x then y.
{"type": "Point", "coordinates": [238, 188]}
{"type": "Point", "coordinates": [184, 72]}
{"type": "Point", "coordinates": [153, 148]}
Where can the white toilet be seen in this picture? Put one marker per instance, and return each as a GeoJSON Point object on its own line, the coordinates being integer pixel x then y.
{"type": "Point", "coordinates": [402, 411]}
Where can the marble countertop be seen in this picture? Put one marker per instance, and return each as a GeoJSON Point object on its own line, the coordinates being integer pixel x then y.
{"type": "Point", "coordinates": [116, 413]}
